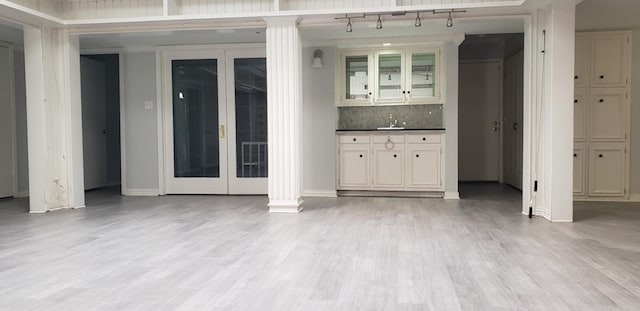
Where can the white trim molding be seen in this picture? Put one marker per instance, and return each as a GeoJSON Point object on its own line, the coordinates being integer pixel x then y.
{"type": "Point", "coordinates": [452, 195]}
{"type": "Point", "coordinates": [285, 206]}
{"type": "Point", "coordinates": [320, 194]}
{"type": "Point", "coordinates": [142, 192]}
{"type": "Point", "coordinates": [634, 197]}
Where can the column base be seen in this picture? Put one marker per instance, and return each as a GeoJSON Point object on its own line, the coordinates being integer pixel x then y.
{"type": "Point", "coordinates": [452, 195]}
{"type": "Point", "coordinates": [285, 206]}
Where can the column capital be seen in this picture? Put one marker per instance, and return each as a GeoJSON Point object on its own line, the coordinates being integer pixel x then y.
{"type": "Point", "coordinates": [282, 20]}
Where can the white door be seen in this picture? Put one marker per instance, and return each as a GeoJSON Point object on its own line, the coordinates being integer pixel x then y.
{"type": "Point", "coordinates": [608, 114]}
{"type": "Point", "coordinates": [354, 166]}
{"type": "Point", "coordinates": [94, 122]}
{"type": "Point", "coordinates": [7, 151]}
{"type": "Point", "coordinates": [246, 80]}
{"type": "Point", "coordinates": [195, 122]}
{"type": "Point", "coordinates": [610, 60]}
{"type": "Point", "coordinates": [512, 120]}
{"type": "Point", "coordinates": [388, 166]}
{"type": "Point", "coordinates": [480, 96]}
{"type": "Point", "coordinates": [579, 169]}
{"type": "Point", "coordinates": [423, 166]}
{"type": "Point", "coordinates": [607, 169]}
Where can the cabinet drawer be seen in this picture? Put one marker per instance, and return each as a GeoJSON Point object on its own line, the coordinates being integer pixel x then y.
{"type": "Point", "coordinates": [383, 139]}
{"type": "Point", "coordinates": [423, 139]}
{"type": "Point", "coordinates": [354, 139]}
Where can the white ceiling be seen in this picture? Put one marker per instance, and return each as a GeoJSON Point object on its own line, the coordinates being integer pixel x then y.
{"type": "Point", "coordinates": [609, 14]}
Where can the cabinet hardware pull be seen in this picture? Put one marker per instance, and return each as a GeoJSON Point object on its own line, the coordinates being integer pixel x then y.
{"type": "Point", "coordinates": [424, 138]}
{"type": "Point", "coordinates": [417, 155]}
{"type": "Point", "coordinates": [408, 92]}
{"type": "Point", "coordinates": [575, 155]}
{"type": "Point", "coordinates": [404, 92]}
{"type": "Point", "coordinates": [601, 77]}
{"type": "Point", "coordinates": [600, 156]}
{"type": "Point", "coordinates": [361, 156]}
{"type": "Point", "coordinates": [576, 77]}
{"type": "Point", "coordinates": [354, 139]}
{"type": "Point", "coordinates": [575, 101]}
{"type": "Point", "coordinates": [395, 155]}
{"type": "Point", "coordinates": [602, 100]}
{"type": "Point", "coordinates": [389, 144]}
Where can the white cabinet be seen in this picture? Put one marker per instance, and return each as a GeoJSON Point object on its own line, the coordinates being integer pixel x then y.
{"type": "Point", "coordinates": [399, 162]}
{"type": "Point", "coordinates": [601, 115]}
{"type": "Point", "coordinates": [607, 169]}
{"type": "Point", "coordinates": [390, 76]}
{"type": "Point", "coordinates": [608, 114]}
{"type": "Point", "coordinates": [610, 59]}
{"type": "Point", "coordinates": [579, 170]}
{"type": "Point", "coordinates": [580, 109]}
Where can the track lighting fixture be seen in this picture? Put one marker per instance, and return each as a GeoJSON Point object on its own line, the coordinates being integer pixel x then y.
{"type": "Point", "coordinates": [379, 23]}
{"type": "Point", "coordinates": [349, 28]}
{"type": "Point", "coordinates": [450, 15]}
{"type": "Point", "coordinates": [348, 18]}
{"type": "Point", "coordinates": [449, 21]}
{"type": "Point", "coordinates": [418, 22]}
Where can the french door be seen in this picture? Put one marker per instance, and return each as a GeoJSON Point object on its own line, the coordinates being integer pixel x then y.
{"type": "Point", "coordinates": [215, 121]}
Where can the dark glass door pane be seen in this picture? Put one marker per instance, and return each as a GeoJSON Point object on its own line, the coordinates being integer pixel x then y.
{"type": "Point", "coordinates": [251, 117]}
{"type": "Point", "coordinates": [196, 148]}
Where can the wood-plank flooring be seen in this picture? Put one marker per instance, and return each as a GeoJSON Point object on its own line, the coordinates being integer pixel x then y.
{"type": "Point", "coordinates": [228, 253]}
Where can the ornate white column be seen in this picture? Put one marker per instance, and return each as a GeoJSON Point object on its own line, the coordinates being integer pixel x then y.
{"type": "Point", "coordinates": [284, 102]}
{"type": "Point", "coordinates": [55, 168]}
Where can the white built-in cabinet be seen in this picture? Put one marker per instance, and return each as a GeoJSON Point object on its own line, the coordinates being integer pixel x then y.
{"type": "Point", "coordinates": [601, 115]}
{"type": "Point", "coordinates": [390, 161]}
{"type": "Point", "coordinates": [389, 76]}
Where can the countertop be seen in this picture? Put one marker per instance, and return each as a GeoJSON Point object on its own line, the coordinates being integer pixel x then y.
{"type": "Point", "coordinates": [408, 130]}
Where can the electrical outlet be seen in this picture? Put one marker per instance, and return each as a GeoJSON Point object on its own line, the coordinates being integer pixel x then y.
{"type": "Point", "coordinates": [148, 104]}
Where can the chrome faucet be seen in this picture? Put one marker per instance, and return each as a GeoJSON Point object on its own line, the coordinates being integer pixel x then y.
{"type": "Point", "coordinates": [392, 123]}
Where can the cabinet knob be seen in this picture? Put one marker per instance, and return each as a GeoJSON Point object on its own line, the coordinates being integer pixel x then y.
{"type": "Point", "coordinates": [395, 155]}
{"type": "Point", "coordinates": [417, 155]}
{"type": "Point", "coordinates": [575, 155]}
{"type": "Point", "coordinates": [424, 138]}
{"type": "Point", "coordinates": [361, 156]}
{"type": "Point", "coordinates": [403, 92]}
{"type": "Point", "coordinates": [354, 139]}
{"type": "Point", "coordinates": [408, 92]}
{"type": "Point", "coordinates": [601, 77]}
{"type": "Point", "coordinates": [576, 77]}
{"type": "Point", "coordinates": [601, 100]}
{"type": "Point", "coordinates": [370, 93]}
{"type": "Point", "coordinates": [575, 101]}
{"type": "Point", "coordinates": [600, 156]}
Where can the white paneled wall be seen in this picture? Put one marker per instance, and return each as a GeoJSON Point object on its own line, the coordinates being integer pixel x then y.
{"type": "Point", "coordinates": [51, 7]}
{"type": "Point", "coordinates": [81, 9]}
{"type": "Point", "coordinates": [200, 7]}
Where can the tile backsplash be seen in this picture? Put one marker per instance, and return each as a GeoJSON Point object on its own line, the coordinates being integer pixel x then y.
{"type": "Point", "coordinates": [372, 117]}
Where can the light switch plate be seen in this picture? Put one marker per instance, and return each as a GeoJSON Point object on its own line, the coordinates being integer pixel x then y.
{"type": "Point", "coordinates": [148, 105]}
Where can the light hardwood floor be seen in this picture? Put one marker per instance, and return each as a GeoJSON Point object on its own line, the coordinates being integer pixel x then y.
{"type": "Point", "coordinates": [228, 253]}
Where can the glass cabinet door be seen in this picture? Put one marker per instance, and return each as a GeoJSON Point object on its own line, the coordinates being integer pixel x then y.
{"type": "Point", "coordinates": [389, 82]}
{"type": "Point", "coordinates": [357, 88]}
{"type": "Point", "coordinates": [422, 76]}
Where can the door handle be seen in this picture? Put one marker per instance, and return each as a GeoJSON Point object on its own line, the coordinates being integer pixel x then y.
{"type": "Point", "coordinates": [515, 126]}
{"type": "Point", "coordinates": [222, 131]}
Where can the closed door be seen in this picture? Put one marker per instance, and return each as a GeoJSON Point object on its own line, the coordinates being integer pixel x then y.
{"type": "Point", "coordinates": [94, 123]}
{"type": "Point", "coordinates": [609, 59]}
{"type": "Point", "coordinates": [580, 99]}
{"type": "Point", "coordinates": [423, 166]}
{"type": "Point", "coordinates": [512, 120]}
{"type": "Point", "coordinates": [354, 166]}
{"type": "Point", "coordinates": [7, 152]}
{"type": "Point", "coordinates": [579, 166]}
{"type": "Point", "coordinates": [607, 114]}
{"type": "Point", "coordinates": [606, 169]}
{"type": "Point", "coordinates": [388, 170]}
{"type": "Point", "coordinates": [583, 46]}
{"type": "Point", "coordinates": [480, 96]}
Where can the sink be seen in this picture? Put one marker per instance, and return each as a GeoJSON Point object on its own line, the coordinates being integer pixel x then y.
{"type": "Point", "coordinates": [390, 128]}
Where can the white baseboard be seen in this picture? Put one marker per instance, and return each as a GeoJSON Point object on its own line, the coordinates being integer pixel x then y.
{"type": "Point", "coordinates": [141, 192]}
{"type": "Point", "coordinates": [453, 195]}
{"type": "Point", "coordinates": [634, 198]}
{"type": "Point", "coordinates": [320, 194]}
{"type": "Point", "coordinates": [285, 206]}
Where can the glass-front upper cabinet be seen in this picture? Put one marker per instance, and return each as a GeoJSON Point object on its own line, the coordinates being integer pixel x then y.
{"type": "Point", "coordinates": [389, 78]}
{"type": "Point", "coordinates": [422, 76]}
{"type": "Point", "coordinates": [356, 78]}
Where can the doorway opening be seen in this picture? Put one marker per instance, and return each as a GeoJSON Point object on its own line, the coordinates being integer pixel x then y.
{"type": "Point", "coordinates": [100, 89]}
{"type": "Point", "coordinates": [491, 84]}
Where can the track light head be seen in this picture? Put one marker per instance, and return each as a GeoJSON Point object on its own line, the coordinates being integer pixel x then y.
{"type": "Point", "coordinates": [418, 22]}
{"type": "Point", "coordinates": [450, 21]}
{"type": "Point", "coordinates": [349, 28]}
{"type": "Point", "coordinates": [379, 23]}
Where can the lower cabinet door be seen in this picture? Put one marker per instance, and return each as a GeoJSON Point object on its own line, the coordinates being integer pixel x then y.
{"type": "Point", "coordinates": [607, 169]}
{"type": "Point", "coordinates": [424, 165]}
{"type": "Point", "coordinates": [354, 167]}
{"type": "Point", "coordinates": [579, 167]}
{"type": "Point", "coordinates": [388, 168]}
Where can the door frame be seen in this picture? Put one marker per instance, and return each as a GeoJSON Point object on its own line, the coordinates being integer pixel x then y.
{"type": "Point", "coordinates": [500, 62]}
{"type": "Point", "coordinates": [12, 109]}
{"type": "Point", "coordinates": [123, 136]}
{"type": "Point", "coordinates": [163, 102]}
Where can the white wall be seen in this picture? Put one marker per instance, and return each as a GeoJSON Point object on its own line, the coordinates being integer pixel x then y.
{"type": "Point", "coordinates": [451, 61]}
{"type": "Point", "coordinates": [319, 123]}
{"type": "Point", "coordinates": [140, 123]}
{"type": "Point", "coordinates": [21, 124]}
{"type": "Point", "coordinates": [595, 15]}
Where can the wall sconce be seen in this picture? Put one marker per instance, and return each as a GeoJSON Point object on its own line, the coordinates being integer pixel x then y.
{"type": "Point", "coordinates": [317, 59]}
